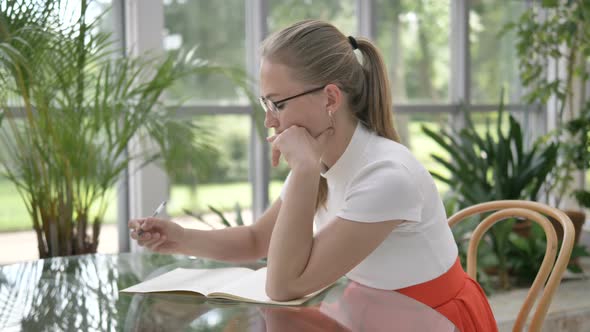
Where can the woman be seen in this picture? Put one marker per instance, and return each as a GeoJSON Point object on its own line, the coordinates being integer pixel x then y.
{"type": "Point", "coordinates": [380, 219]}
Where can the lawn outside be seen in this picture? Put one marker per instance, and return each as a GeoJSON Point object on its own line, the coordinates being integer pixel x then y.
{"type": "Point", "coordinates": [14, 216]}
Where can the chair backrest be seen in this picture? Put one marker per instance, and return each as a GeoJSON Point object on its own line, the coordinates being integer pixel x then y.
{"type": "Point", "coordinates": [536, 212]}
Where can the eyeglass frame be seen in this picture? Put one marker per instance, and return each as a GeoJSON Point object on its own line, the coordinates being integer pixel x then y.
{"type": "Point", "coordinates": [275, 104]}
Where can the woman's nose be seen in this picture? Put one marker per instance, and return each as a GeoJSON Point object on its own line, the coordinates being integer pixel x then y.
{"type": "Point", "coordinates": [270, 121]}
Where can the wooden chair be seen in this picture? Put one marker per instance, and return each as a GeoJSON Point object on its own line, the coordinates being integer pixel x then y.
{"type": "Point", "coordinates": [536, 212]}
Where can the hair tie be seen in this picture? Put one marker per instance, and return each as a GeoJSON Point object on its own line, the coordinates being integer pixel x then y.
{"type": "Point", "coordinates": [353, 42]}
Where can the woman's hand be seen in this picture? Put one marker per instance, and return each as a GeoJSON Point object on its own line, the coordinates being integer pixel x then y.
{"type": "Point", "coordinates": [298, 147]}
{"type": "Point", "coordinates": [158, 235]}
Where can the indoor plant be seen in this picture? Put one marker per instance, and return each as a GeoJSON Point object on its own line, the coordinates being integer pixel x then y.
{"type": "Point", "coordinates": [558, 33]}
{"type": "Point", "coordinates": [493, 165]}
{"type": "Point", "coordinates": [82, 106]}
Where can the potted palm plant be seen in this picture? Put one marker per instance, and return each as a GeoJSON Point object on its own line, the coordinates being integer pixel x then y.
{"type": "Point", "coordinates": [80, 107]}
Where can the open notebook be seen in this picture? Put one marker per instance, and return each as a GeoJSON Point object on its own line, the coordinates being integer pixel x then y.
{"type": "Point", "coordinates": [234, 283]}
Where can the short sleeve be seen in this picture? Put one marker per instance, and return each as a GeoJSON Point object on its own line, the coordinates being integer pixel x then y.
{"type": "Point", "coordinates": [284, 188]}
{"type": "Point", "coordinates": [383, 191]}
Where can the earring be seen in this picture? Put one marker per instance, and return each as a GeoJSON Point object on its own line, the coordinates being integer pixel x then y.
{"type": "Point", "coordinates": [330, 115]}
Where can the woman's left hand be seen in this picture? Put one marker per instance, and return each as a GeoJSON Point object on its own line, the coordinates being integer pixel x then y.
{"type": "Point", "coordinates": [299, 148]}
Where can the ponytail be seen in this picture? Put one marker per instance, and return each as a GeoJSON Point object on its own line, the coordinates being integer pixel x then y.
{"type": "Point", "coordinates": [377, 114]}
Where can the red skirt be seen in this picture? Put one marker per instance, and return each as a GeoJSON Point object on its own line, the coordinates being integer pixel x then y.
{"type": "Point", "coordinates": [458, 297]}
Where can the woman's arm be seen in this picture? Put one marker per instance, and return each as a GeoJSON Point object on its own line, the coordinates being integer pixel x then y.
{"type": "Point", "coordinates": [292, 236]}
{"type": "Point", "coordinates": [235, 244]}
{"type": "Point", "coordinates": [298, 263]}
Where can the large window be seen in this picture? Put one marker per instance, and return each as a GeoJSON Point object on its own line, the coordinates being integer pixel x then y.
{"type": "Point", "coordinates": [215, 30]}
{"type": "Point", "coordinates": [340, 13]}
{"type": "Point", "coordinates": [417, 38]}
{"type": "Point", "coordinates": [225, 184]}
{"type": "Point", "coordinates": [423, 146]}
{"type": "Point", "coordinates": [13, 215]}
{"type": "Point", "coordinates": [414, 39]}
{"type": "Point", "coordinates": [493, 56]}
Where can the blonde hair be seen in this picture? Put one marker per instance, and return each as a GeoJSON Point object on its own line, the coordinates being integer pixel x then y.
{"type": "Point", "coordinates": [319, 54]}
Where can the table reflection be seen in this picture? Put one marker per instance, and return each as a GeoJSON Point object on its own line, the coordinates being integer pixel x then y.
{"type": "Point", "coordinates": [353, 307]}
{"type": "Point", "coordinates": [82, 294]}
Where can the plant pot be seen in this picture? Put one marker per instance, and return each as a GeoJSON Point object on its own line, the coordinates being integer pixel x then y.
{"type": "Point", "coordinates": [578, 218]}
{"type": "Point", "coordinates": [522, 228]}
{"type": "Point", "coordinates": [491, 270]}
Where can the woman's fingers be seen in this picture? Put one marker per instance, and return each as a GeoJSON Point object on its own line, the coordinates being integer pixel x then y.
{"type": "Point", "coordinates": [142, 239]}
{"type": "Point", "coordinates": [135, 224]}
{"type": "Point", "coordinates": [150, 223]}
{"type": "Point", "coordinates": [154, 238]}
{"type": "Point", "coordinates": [136, 232]}
{"type": "Point", "coordinates": [276, 155]}
{"type": "Point", "coordinates": [147, 232]}
{"type": "Point", "coordinates": [155, 246]}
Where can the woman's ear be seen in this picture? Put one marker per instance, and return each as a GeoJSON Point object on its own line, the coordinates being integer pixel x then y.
{"type": "Point", "coordinates": [334, 98]}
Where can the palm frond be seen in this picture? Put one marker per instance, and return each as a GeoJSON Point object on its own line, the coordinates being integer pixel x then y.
{"type": "Point", "coordinates": [84, 107]}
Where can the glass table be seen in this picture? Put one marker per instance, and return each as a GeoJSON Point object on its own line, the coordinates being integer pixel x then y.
{"type": "Point", "coordinates": [81, 293]}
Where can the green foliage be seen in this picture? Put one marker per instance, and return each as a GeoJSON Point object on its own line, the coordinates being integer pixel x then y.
{"type": "Point", "coordinates": [83, 107]}
{"type": "Point", "coordinates": [559, 32]}
{"type": "Point", "coordinates": [526, 254]}
{"type": "Point", "coordinates": [577, 251]}
{"type": "Point", "coordinates": [556, 32]}
{"type": "Point", "coordinates": [239, 221]}
{"type": "Point", "coordinates": [579, 154]}
{"type": "Point", "coordinates": [493, 165]}
{"type": "Point", "coordinates": [231, 134]}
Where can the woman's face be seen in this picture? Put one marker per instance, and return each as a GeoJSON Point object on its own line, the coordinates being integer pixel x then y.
{"type": "Point", "coordinates": [309, 111]}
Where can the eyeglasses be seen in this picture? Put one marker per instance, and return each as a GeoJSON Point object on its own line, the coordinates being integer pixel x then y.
{"type": "Point", "coordinates": [273, 106]}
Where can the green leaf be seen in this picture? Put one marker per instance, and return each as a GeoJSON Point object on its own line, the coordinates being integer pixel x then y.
{"type": "Point", "coordinates": [199, 217]}
{"type": "Point", "coordinates": [579, 251]}
{"type": "Point", "coordinates": [222, 218]}
{"type": "Point", "coordinates": [574, 268]}
{"type": "Point", "coordinates": [550, 3]}
{"type": "Point", "coordinates": [582, 197]}
{"type": "Point", "coordinates": [238, 210]}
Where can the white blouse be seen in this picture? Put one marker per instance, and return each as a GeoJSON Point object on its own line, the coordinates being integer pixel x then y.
{"type": "Point", "coordinates": [377, 179]}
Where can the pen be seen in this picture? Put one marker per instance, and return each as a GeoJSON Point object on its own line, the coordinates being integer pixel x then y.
{"type": "Point", "coordinates": [158, 211]}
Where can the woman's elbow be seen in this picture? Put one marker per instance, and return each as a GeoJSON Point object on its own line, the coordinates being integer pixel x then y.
{"type": "Point", "coordinates": [279, 293]}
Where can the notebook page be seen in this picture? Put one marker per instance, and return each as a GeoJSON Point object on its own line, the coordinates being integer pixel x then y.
{"type": "Point", "coordinates": [252, 288]}
{"type": "Point", "coordinates": [200, 281]}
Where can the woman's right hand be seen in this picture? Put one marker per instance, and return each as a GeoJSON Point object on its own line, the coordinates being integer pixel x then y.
{"type": "Point", "coordinates": [158, 235]}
